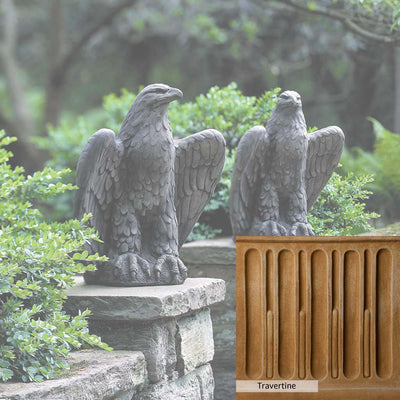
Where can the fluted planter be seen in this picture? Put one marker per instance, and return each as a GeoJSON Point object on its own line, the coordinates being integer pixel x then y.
{"type": "Point", "coordinates": [320, 308]}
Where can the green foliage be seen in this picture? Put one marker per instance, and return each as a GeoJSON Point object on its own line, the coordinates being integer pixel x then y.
{"type": "Point", "coordinates": [202, 231]}
{"type": "Point", "coordinates": [339, 210]}
{"type": "Point", "coordinates": [391, 7]}
{"type": "Point", "coordinates": [384, 164]}
{"type": "Point", "coordinates": [116, 108]}
{"type": "Point", "coordinates": [225, 109]}
{"type": "Point", "coordinates": [37, 263]}
{"type": "Point", "coordinates": [387, 150]}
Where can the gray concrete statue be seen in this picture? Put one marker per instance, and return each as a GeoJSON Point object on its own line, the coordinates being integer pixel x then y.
{"type": "Point", "coordinates": [145, 191]}
{"type": "Point", "coordinates": [279, 172]}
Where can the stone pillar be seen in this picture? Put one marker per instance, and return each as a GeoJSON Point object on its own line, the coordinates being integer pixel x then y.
{"type": "Point", "coordinates": [216, 258]}
{"type": "Point", "coordinates": [170, 325]}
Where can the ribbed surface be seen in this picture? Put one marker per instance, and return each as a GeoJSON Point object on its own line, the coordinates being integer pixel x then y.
{"type": "Point", "coordinates": [318, 310]}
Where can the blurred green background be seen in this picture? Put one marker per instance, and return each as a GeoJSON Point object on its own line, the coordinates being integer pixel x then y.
{"type": "Point", "coordinates": [60, 58]}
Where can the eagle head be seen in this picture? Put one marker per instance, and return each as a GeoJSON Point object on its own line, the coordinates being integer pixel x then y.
{"type": "Point", "coordinates": [289, 98]}
{"type": "Point", "coordinates": [158, 94]}
{"type": "Point", "coordinates": [288, 111]}
{"type": "Point", "coordinates": [150, 105]}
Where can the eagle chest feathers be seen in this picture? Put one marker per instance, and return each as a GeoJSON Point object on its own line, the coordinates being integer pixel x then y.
{"type": "Point", "coordinates": [148, 164]}
{"type": "Point", "coordinates": [289, 143]}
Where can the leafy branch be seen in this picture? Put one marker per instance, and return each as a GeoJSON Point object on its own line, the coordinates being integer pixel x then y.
{"type": "Point", "coordinates": [358, 17]}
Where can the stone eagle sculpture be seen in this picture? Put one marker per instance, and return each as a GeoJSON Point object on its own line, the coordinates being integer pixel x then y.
{"type": "Point", "coordinates": [280, 170]}
{"type": "Point", "coordinates": [145, 192]}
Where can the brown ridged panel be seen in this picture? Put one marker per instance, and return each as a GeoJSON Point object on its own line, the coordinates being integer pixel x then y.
{"type": "Point", "coordinates": [335, 314]}
{"type": "Point", "coordinates": [367, 336]}
{"type": "Point", "coordinates": [270, 344]}
{"type": "Point", "coordinates": [384, 324]}
{"type": "Point", "coordinates": [330, 311]}
{"type": "Point", "coordinates": [335, 343]}
{"type": "Point", "coordinates": [367, 313]}
{"type": "Point", "coordinates": [351, 311]}
{"type": "Point", "coordinates": [254, 317]}
{"type": "Point", "coordinates": [287, 304]}
{"type": "Point", "coordinates": [270, 313]}
{"type": "Point", "coordinates": [302, 345]}
{"type": "Point", "coordinates": [302, 314]}
{"type": "Point", "coordinates": [319, 312]}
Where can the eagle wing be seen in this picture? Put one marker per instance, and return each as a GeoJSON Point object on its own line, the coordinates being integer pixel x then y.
{"type": "Point", "coordinates": [98, 181]}
{"type": "Point", "coordinates": [199, 160]}
{"type": "Point", "coordinates": [245, 175]}
{"type": "Point", "coordinates": [325, 147]}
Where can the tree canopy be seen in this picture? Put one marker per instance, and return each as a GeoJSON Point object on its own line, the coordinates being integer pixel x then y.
{"type": "Point", "coordinates": [60, 58]}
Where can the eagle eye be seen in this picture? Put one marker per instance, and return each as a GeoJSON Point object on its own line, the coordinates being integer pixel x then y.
{"type": "Point", "coordinates": [158, 90]}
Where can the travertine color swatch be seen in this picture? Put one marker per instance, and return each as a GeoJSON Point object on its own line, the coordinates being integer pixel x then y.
{"type": "Point", "coordinates": [324, 308]}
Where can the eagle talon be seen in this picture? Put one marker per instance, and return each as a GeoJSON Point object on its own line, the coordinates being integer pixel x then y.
{"type": "Point", "coordinates": [129, 268]}
{"type": "Point", "coordinates": [301, 229]}
{"type": "Point", "coordinates": [182, 267]}
{"type": "Point", "coordinates": [133, 271]}
{"type": "Point", "coordinates": [175, 279]}
{"type": "Point", "coordinates": [177, 271]}
{"type": "Point", "coordinates": [157, 267]}
{"type": "Point", "coordinates": [157, 275]}
{"type": "Point", "coordinates": [272, 228]}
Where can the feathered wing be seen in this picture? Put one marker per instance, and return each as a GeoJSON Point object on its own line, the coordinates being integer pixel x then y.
{"type": "Point", "coordinates": [245, 175]}
{"type": "Point", "coordinates": [199, 161]}
{"type": "Point", "coordinates": [97, 178]}
{"type": "Point", "coordinates": [325, 147]}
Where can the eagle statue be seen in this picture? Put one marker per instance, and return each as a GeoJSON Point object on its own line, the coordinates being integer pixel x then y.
{"type": "Point", "coordinates": [280, 170]}
{"type": "Point", "coordinates": [145, 192]}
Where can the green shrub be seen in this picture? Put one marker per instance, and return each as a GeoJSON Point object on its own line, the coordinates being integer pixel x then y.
{"type": "Point", "coordinates": [339, 210]}
{"type": "Point", "coordinates": [225, 109]}
{"type": "Point", "coordinates": [37, 263]}
{"type": "Point", "coordinates": [384, 165]}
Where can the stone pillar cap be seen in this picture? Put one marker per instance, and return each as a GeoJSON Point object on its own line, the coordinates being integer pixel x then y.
{"type": "Point", "coordinates": [221, 251]}
{"type": "Point", "coordinates": [143, 303]}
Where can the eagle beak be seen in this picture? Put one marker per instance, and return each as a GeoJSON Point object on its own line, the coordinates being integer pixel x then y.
{"type": "Point", "coordinates": [295, 102]}
{"type": "Point", "coordinates": [173, 94]}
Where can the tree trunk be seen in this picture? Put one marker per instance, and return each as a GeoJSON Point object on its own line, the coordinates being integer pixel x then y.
{"type": "Point", "coordinates": [360, 103]}
{"type": "Point", "coordinates": [54, 88]}
{"type": "Point", "coordinates": [21, 124]}
{"type": "Point", "coordinates": [396, 110]}
{"type": "Point", "coordinates": [62, 61]}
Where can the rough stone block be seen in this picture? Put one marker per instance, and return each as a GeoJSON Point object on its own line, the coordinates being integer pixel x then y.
{"type": "Point", "coordinates": [198, 385]}
{"type": "Point", "coordinates": [217, 259]}
{"type": "Point", "coordinates": [157, 341]}
{"type": "Point", "coordinates": [148, 319]}
{"type": "Point", "coordinates": [143, 303]}
{"type": "Point", "coordinates": [94, 375]}
{"type": "Point", "coordinates": [195, 341]}
{"type": "Point", "coordinates": [220, 251]}
{"type": "Point", "coordinates": [171, 346]}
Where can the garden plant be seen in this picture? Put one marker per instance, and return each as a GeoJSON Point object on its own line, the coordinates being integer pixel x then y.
{"type": "Point", "coordinates": [38, 261]}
